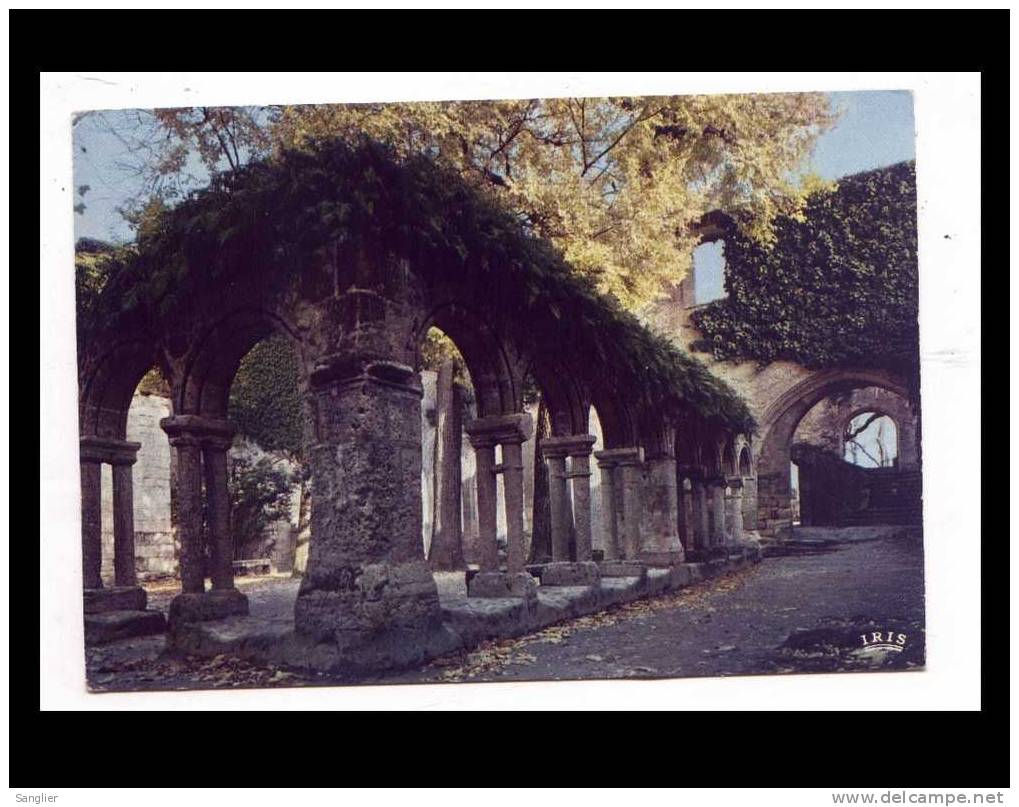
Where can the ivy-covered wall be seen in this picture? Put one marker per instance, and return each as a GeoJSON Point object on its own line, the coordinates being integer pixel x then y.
{"type": "Point", "coordinates": [265, 398]}
{"type": "Point", "coordinates": [836, 288]}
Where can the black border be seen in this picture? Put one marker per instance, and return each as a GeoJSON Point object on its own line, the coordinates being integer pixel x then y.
{"type": "Point", "coordinates": [685, 749]}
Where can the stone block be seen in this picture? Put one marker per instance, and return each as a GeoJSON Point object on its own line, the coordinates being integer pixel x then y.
{"type": "Point", "coordinates": [122, 598]}
{"type": "Point", "coordinates": [208, 605]}
{"type": "Point", "coordinates": [584, 573]}
{"type": "Point", "coordinates": [111, 626]}
{"type": "Point", "coordinates": [662, 559]}
{"type": "Point", "coordinates": [623, 568]}
{"type": "Point", "coordinates": [680, 576]}
{"type": "Point", "coordinates": [503, 584]}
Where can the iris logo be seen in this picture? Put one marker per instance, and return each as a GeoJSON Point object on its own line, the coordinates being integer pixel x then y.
{"type": "Point", "coordinates": [883, 641]}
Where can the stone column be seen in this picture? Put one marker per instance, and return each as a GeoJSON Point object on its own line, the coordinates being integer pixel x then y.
{"type": "Point", "coordinates": [487, 548]}
{"type": "Point", "coordinates": [91, 521]}
{"type": "Point", "coordinates": [717, 486]}
{"type": "Point", "coordinates": [123, 515]}
{"type": "Point", "coordinates": [367, 589]}
{"type": "Point", "coordinates": [686, 511]}
{"type": "Point", "coordinates": [513, 483]}
{"type": "Point", "coordinates": [509, 431]}
{"type": "Point", "coordinates": [734, 518]}
{"type": "Point", "coordinates": [607, 466]}
{"type": "Point", "coordinates": [555, 458]}
{"type": "Point", "coordinates": [632, 468]}
{"type": "Point", "coordinates": [580, 474]}
{"type": "Point", "coordinates": [217, 492]}
{"type": "Point", "coordinates": [446, 550]}
{"type": "Point", "coordinates": [570, 504]}
{"type": "Point", "coordinates": [701, 533]}
{"type": "Point", "coordinates": [661, 544]}
{"type": "Point", "coordinates": [187, 446]}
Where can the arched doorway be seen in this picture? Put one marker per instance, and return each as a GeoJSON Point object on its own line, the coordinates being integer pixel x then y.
{"type": "Point", "coordinates": [779, 425]}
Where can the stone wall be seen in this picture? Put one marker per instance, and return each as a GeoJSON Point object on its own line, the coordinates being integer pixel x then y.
{"type": "Point", "coordinates": [762, 388]}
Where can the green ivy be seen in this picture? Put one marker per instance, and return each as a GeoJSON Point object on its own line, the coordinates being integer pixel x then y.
{"type": "Point", "coordinates": [837, 289]}
{"type": "Point", "coordinates": [265, 398]}
{"type": "Point", "coordinates": [269, 218]}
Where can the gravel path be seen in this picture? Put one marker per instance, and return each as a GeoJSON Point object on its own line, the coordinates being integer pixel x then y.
{"type": "Point", "coordinates": [803, 610]}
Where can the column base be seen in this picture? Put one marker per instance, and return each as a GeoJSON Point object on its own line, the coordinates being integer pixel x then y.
{"type": "Point", "coordinates": [111, 626]}
{"type": "Point", "coordinates": [207, 605]}
{"type": "Point", "coordinates": [567, 573]}
{"type": "Point", "coordinates": [117, 598]}
{"type": "Point", "coordinates": [622, 568]}
{"type": "Point", "coordinates": [663, 559]}
{"type": "Point", "coordinates": [503, 584]}
{"type": "Point", "coordinates": [706, 554]}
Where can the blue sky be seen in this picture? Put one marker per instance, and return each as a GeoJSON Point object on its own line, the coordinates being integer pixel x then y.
{"type": "Point", "coordinates": [876, 129]}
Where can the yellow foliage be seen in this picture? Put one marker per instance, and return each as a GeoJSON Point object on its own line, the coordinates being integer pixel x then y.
{"type": "Point", "coordinates": [616, 183]}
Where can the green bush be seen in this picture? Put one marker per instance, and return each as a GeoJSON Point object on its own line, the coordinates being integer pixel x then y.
{"type": "Point", "coordinates": [260, 494]}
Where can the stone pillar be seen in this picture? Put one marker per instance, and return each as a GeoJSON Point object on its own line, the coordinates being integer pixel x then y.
{"type": "Point", "coordinates": [217, 494]}
{"type": "Point", "coordinates": [624, 496]}
{"type": "Point", "coordinates": [607, 466]}
{"type": "Point", "coordinates": [570, 504]}
{"type": "Point", "coordinates": [701, 533]}
{"type": "Point", "coordinates": [580, 474]}
{"type": "Point", "coordinates": [513, 483]}
{"type": "Point", "coordinates": [123, 515]}
{"type": "Point", "coordinates": [555, 458]}
{"type": "Point", "coordinates": [367, 589]}
{"type": "Point", "coordinates": [91, 521]}
{"type": "Point", "coordinates": [187, 446]}
{"type": "Point", "coordinates": [717, 486]}
{"type": "Point", "coordinates": [632, 468]}
{"type": "Point", "coordinates": [750, 503]}
{"type": "Point", "coordinates": [446, 550]}
{"type": "Point", "coordinates": [487, 548]}
{"type": "Point", "coordinates": [661, 544]}
{"type": "Point", "coordinates": [686, 512]}
{"type": "Point", "coordinates": [509, 431]}
{"type": "Point", "coordinates": [734, 518]}
{"type": "Point", "coordinates": [485, 433]}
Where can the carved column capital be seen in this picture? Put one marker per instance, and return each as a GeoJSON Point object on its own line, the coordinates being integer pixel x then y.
{"type": "Point", "coordinates": [198, 431]}
{"type": "Point", "coordinates": [498, 429]}
{"type": "Point", "coordinates": [573, 445]}
{"type": "Point", "coordinates": [92, 448]}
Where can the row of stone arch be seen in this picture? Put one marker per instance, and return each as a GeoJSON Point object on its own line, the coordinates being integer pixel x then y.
{"type": "Point", "coordinates": [671, 491]}
{"type": "Point", "coordinates": [252, 256]}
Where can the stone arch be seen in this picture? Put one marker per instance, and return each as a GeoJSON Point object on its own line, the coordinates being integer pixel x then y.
{"type": "Point", "coordinates": [568, 403]}
{"type": "Point", "coordinates": [619, 429]}
{"type": "Point", "coordinates": [108, 385]}
{"type": "Point", "coordinates": [496, 384]}
{"type": "Point", "coordinates": [203, 384]}
{"type": "Point", "coordinates": [730, 465]}
{"type": "Point", "coordinates": [746, 461]}
{"type": "Point", "coordinates": [779, 425]}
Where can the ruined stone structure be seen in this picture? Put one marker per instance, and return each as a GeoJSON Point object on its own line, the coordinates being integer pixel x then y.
{"type": "Point", "coordinates": [356, 307]}
{"type": "Point", "coordinates": [790, 402]}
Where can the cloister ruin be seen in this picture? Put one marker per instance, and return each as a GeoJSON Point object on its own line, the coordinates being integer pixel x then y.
{"type": "Point", "coordinates": [687, 476]}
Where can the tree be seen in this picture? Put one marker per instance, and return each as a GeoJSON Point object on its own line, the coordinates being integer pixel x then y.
{"type": "Point", "coordinates": [616, 183]}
